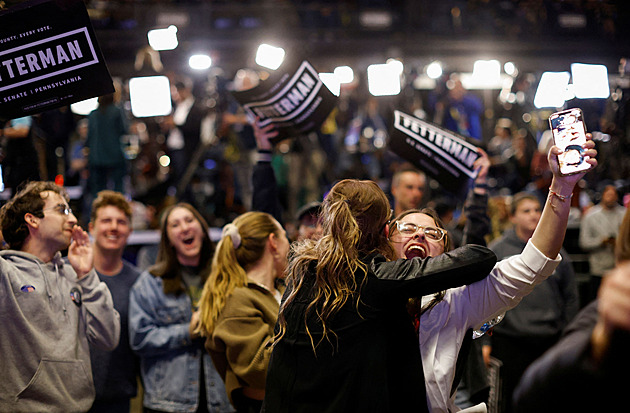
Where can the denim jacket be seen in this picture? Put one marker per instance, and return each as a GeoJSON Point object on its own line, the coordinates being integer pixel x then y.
{"type": "Point", "coordinates": [169, 358]}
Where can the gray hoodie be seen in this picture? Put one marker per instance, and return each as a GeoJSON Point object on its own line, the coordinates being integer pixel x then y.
{"type": "Point", "coordinates": [47, 319]}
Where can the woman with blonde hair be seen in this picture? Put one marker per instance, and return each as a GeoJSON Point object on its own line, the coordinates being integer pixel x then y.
{"type": "Point", "coordinates": [345, 341]}
{"type": "Point", "coordinates": [240, 302]}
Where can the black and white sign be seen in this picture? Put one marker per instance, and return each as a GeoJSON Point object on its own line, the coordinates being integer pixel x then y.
{"type": "Point", "coordinates": [49, 57]}
{"type": "Point", "coordinates": [295, 101]}
{"type": "Point", "coordinates": [442, 154]}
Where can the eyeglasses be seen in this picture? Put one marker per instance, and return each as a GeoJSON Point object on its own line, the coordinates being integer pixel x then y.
{"type": "Point", "coordinates": [410, 229]}
{"type": "Point", "coordinates": [61, 208]}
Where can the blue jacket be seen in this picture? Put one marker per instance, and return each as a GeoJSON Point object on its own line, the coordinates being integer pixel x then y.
{"type": "Point", "coordinates": [169, 359]}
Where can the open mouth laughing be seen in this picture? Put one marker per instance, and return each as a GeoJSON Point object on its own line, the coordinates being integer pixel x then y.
{"type": "Point", "coordinates": [415, 250]}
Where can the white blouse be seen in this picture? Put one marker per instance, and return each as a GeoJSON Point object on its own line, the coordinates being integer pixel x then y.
{"type": "Point", "coordinates": [442, 328]}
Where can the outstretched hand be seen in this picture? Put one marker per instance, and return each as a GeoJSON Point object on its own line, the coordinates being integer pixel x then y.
{"type": "Point", "coordinates": [569, 181]}
{"type": "Point", "coordinates": [80, 253]}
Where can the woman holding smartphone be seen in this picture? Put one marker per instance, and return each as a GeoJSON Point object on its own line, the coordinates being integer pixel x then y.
{"type": "Point", "coordinates": [345, 341]}
{"type": "Point", "coordinates": [448, 318]}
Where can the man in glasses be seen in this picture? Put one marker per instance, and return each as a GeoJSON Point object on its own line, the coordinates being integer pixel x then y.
{"type": "Point", "coordinates": [51, 310]}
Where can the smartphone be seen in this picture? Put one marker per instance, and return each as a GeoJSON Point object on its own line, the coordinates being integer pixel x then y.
{"type": "Point", "coordinates": [569, 134]}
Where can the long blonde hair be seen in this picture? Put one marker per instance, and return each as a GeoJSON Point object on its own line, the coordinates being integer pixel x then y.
{"type": "Point", "coordinates": [239, 248]}
{"type": "Point", "coordinates": [354, 215]}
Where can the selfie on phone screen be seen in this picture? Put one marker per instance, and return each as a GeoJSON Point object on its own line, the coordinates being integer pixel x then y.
{"type": "Point", "coordinates": [569, 134]}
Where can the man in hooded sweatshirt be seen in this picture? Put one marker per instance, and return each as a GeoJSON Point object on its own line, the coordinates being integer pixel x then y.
{"type": "Point", "coordinates": [51, 310]}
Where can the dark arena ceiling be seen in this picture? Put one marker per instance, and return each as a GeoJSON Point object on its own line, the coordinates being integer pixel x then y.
{"type": "Point", "coordinates": [537, 35]}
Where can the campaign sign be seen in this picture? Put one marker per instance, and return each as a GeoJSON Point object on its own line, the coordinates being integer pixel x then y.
{"type": "Point", "coordinates": [295, 101]}
{"type": "Point", "coordinates": [49, 57]}
{"type": "Point", "coordinates": [440, 153]}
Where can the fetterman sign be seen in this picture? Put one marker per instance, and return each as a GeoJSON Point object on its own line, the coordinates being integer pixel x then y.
{"type": "Point", "coordinates": [293, 98]}
{"type": "Point", "coordinates": [442, 154]}
{"type": "Point", "coordinates": [49, 57]}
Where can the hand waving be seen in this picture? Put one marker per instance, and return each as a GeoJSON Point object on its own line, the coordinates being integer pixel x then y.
{"type": "Point", "coordinates": [80, 254]}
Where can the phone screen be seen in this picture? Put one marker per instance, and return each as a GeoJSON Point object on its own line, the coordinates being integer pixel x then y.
{"type": "Point", "coordinates": [569, 134]}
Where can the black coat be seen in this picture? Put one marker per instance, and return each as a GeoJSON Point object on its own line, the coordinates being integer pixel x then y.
{"type": "Point", "coordinates": [372, 363]}
{"type": "Point", "coordinates": [567, 379]}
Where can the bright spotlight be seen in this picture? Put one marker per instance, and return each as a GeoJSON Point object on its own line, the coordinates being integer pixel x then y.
{"type": "Point", "coordinates": [510, 68]}
{"type": "Point", "coordinates": [163, 39]}
{"type": "Point", "coordinates": [590, 81]}
{"type": "Point", "coordinates": [164, 160]}
{"type": "Point", "coordinates": [486, 72]}
{"type": "Point", "coordinates": [269, 56]}
{"type": "Point", "coordinates": [150, 96]}
{"type": "Point", "coordinates": [384, 79]}
{"type": "Point", "coordinates": [84, 107]}
{"type": "Point", "coordinates": [397, 65]}
{"type": "Point", "coordinates": [332, 82]}
{"type": "Point", "coordinates": [552, 90]}
{"type": "Point", "coordinates": [434, 70]}
{"type": "Point", "coordinates": [344, 74]}
{"type": "Point", "coordinates": [200, 62]}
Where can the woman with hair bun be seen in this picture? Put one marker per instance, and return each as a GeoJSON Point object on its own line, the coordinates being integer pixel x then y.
{"type": "Point", "coordinates": [240, 303]}
{"type": "Point", "coordinates": [345, 341]}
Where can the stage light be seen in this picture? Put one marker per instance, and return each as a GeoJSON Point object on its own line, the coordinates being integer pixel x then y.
{"type": "Point", "coordinates": [344, 74]}
{"type": "Point", "coordinates": [487, 73]}
{"type": "Point", "coordinates": [434, 70]}
{"type": "Point", "coordinates": [384, 79]}
{"type": "Point", "coordinates": [510, 69]}
{"type": "Point", "coordinates": [332, 82]}
{"type": "Point", "coordinates": [84, 107]}
{"type": "Point", "coordinates": [269, 56]}
{"type": "Point", "coordinates": [200, 62]}
{"type": "Point", "coordinates": [164, 161]}
{"type": "Point", "coordinates": [552, 90]}
{"type": "Point", "coordinates": [163, 39]}
{"type": "Point", "coordinates": [590, 81]}
{"type": "Point", "coordinates": [397, 65]}
{"type": "Point", "coordinates": [150, 96]}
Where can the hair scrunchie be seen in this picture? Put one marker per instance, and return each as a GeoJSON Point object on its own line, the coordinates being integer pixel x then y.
{"type": "Point", "coordinates": [231, 230]}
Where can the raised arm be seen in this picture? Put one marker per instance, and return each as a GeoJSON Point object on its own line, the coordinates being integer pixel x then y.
{"type": "Point", "coordinates": [477, 224]}
{"type": "Point", "coordinates": [265, 197]}
{"type": "Point", "coordinates": [551, 228]}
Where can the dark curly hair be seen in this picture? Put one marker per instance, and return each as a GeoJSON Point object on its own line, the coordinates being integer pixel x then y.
{"type": "Point", "coordinates": [26, 200]}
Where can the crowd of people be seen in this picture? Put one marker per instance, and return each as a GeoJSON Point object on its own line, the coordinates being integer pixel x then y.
{"type": "Point", "coordinates": [359, 288]}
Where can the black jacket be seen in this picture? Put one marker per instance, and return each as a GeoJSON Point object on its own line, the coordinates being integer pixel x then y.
{"type": "Point", "coordinates": [372, 363]}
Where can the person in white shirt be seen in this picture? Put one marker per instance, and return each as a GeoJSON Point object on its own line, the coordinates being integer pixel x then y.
{"type": "Point", "coordinates": [447, 317]}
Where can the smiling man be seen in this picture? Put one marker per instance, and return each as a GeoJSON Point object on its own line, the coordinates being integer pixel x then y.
{"type": "Point", "coordinates": [51, 310]}
{"type": "Point", "coordinates": [114, 372]}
